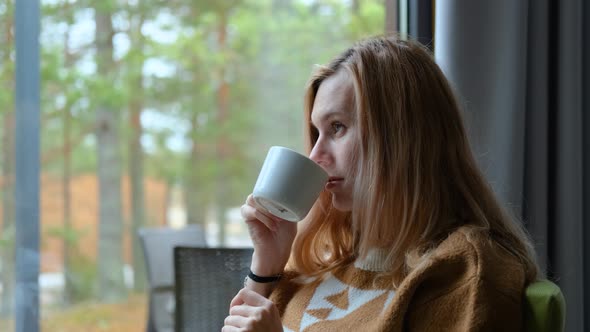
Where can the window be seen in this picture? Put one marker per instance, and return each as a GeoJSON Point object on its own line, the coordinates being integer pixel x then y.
{"type": "Point", "coordinates": [153, 114]}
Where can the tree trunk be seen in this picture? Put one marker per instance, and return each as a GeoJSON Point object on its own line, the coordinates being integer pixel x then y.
{"type": "Point", "coordinates": [356, 7]}
{"type": "Point", "coordinates": [66, 177]}
{"type": "Point", "coordinates": [391, 16]}
{"type": "Point", "coordinates": [7, 234]}
{"type": "Point", "coordinates": [136, 160]}
{"type": "Point", "coordinates": [111, 285]}
{"type": "Point", "coordinates": [195, 206]}
{"type": "Point", "coordinates": [67, 222]}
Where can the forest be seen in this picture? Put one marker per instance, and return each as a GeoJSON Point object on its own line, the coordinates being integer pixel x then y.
{"type": "Point", "coordinates": [189, 94]}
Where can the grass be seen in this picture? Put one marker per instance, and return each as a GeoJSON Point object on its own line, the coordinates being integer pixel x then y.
{"type": "Point", "coordinates": [127, 316]}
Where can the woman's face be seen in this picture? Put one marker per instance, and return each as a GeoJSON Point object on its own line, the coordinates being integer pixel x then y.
{"type": "Point", "coordinates": [333, 121]}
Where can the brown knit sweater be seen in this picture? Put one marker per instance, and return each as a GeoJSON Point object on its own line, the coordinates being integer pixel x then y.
{"type": "Point", "coordinates": [468, 284]}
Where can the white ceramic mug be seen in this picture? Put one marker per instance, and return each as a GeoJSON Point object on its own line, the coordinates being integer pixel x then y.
{"type": "Point", "coordinates": [289, 183]}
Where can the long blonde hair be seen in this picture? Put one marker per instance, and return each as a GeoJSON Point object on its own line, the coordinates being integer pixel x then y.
{"type": "Point", "coordinates": [416, 180]}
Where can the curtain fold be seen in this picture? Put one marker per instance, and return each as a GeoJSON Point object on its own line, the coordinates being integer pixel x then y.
{"type": "Point", "coordinates": [537, 138]}
{"type": "Point", "coordinates": [484, 59]}
{"type": "Point", "coordinates": [568, 251]}
{"type": "Point", "coordinates": [521, 69]}
{"type": "Point", "coordinates": [586, 157]}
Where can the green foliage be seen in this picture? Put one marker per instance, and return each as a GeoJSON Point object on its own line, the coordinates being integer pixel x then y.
{"type": "Point", "coordinates": [82, 278]}
{"type": "Point", "coordinates": [81, 273]}
{"type": "Point", "coordinates": [6, 59]}
{"type": "Point", "coordinates": [266, 59]}
{"type": "Point", "coordinates": [371, 20]}
{"type": "Point", "coordinates": [7, 237]}
{"type": "Point", "coordinates": [174, 50]}
{"type": "Point", "coordinates": [70, 235]}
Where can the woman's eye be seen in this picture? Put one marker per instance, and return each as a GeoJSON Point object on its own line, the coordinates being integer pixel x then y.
{"type": "Point", "coordinates": [337, 127]}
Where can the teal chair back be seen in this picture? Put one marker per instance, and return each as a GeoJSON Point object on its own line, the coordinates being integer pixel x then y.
{"type": "Point", "coordinates": [545, 307]}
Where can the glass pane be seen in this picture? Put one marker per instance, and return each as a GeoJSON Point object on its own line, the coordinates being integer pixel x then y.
{"type": "Point", "coordinates": [155, 115]}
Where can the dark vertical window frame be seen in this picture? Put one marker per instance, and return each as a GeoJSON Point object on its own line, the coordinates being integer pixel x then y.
{"type": "Point", "coordinates": [420, 22]}
{"type": "Point", "coordinates": [552, 87]}
{"type": "Point", "coordinates": [586, 148]}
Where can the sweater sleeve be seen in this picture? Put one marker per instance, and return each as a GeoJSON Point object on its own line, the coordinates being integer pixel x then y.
{"type": "Point", "coordinates": [474, 306]}
{"type": "Point", "coordinates": [284, 291]}
{"type": "Point", "coordinates": [473, 285]}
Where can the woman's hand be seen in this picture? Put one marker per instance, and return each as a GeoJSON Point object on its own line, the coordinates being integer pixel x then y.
{"type": "Point", "coordinates": [272, 238]}
{"type": "Point", "coordinates": [250, 311]}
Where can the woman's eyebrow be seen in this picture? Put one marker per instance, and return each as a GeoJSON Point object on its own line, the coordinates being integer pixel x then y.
{"type": "Point", "coordinates": [332, 113]}
{"type": "Point", "coordinates": [328, 114]}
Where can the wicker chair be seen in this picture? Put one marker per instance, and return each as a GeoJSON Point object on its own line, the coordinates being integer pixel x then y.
{"type": "Point", "coordinates": [206, 280]}
{"type": "Point", "coordinates": [158, 245]}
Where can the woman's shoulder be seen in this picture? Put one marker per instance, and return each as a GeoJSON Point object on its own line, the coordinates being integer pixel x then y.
{"type": "Point", "coordinates": [471, 255]}
{"type": "Point", "coordinates": [476, 246]}
{"type": "Point", "coordinates": [469, 281]}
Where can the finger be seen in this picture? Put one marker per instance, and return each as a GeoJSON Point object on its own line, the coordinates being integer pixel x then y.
{"type": "Point", "coordinates": [251, 214]}
{"type": "Point", "coordinates": [230, 329]}
{"type": "Point", "coordinates": [252, 298]}
{"type": "Point", "coordinates": [250, 201]}
{"type": "Point", "coordinates": [249, 208]}
{"type": "Point", "coordinates": [237, 321]}
{"type": "Point", "coordinates": [242, 310]}
{"type": "Point", "coordinates": [266, 220]}
{"type": "Point", "coordinates": [248, 212]}
{"type": "Point", "coordinates": [237, 300]}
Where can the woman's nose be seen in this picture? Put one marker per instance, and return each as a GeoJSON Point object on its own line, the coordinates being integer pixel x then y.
{"type": "Point", "coordinates": [318, 154]}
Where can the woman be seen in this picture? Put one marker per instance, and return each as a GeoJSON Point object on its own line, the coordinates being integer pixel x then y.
{"type": "Point", "coordinates": [407, 234]}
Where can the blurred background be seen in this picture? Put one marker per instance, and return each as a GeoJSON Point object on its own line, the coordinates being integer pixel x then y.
{"type": "Point", "coordinates": [161, 112]}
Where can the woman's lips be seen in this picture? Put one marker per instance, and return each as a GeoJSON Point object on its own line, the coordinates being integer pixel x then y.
{"type": "Point", "coordinates": [333, 182]}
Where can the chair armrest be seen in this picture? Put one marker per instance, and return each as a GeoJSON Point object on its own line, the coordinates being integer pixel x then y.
{"type": "Point", "coordinates": [544, 307]}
